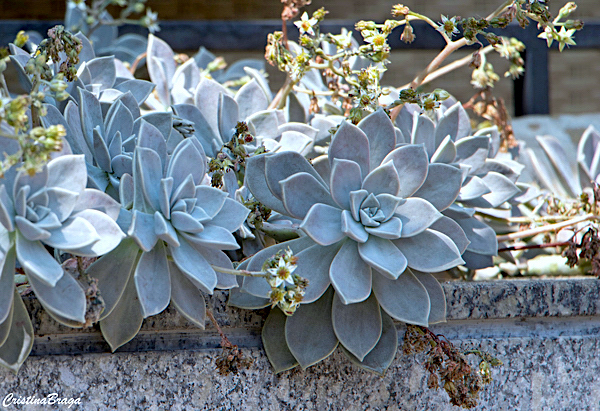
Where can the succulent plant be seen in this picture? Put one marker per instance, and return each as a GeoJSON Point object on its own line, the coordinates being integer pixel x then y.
{"type": "Point", "coordinates": [106, 77]}
{"type": "Point", "coordinates": [368, 210]}
{"type": "Point", "coordinates": [488, 179]}
{"type": "Point", "coordinates": [177, 84]}
{"type": "Point", "coordinates": [559, 175]}
{"type": "Point", "coordinates": [176, 228]}
{"type": "Point", "coordinates": [52, 208]}
{"type": "Point", "coordinates": [106, 133]}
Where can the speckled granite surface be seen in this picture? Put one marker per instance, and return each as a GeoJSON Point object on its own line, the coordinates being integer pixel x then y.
{"type": "Point", "coordinates": [547, 333]}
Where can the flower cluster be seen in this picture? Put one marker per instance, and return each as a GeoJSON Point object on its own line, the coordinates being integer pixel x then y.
{"type": "Point", "coordinates": [287, 288]}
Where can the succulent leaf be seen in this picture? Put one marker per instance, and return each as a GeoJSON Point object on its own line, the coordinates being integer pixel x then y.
{"type": "Point", "coordinates": [274, 341]}
{"type": "Point", "coordinates": [361, 319]}
{"type": "Point", "coordinates": [308, 321]}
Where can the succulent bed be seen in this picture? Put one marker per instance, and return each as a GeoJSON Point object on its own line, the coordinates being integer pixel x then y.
{"type": "Point", "coordinates": [336, 201]}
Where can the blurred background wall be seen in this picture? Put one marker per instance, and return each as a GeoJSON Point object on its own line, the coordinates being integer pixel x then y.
{"type": "Point", "coordinates": [574, 74]}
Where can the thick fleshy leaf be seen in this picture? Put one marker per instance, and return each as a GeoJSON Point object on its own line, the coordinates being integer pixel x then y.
{"type": "Point", "coordinates": [423, 132]}
{"type": "Point", "coordinates": [350, 143]}
{"type": "Point", "coordinates": [142, 230]}
{"type": "Point", "coordinates": [97, 200]}
{"type": "Point", "coordinates": [301, 191]}
{"type": "Point", "coordinates": [7, 210]}
{"type": "Point", "coordinates": [384, 256]}
{"type": "Point", "coordinates": [437, 297]}
{"type": "Point", "coordinates": [411, 164]}
{"type": "Point", "coordinates": [308, 321]}
{"type": "Point", "coordinates": [445, 153]}
{"type": "Point", "coordinates": [186, 159]}
{"type": "Point", "coordinates": [18, 344]}
{"type": "Point", "coordinates": [503, 189]}
{"type": "Point", "coordinates": [476, 261]}
{"type": "Point", "coordinates": [391, 229]}
{"type": "Point", "coordinates": [186, 297]}
{"type": "Point", "coordinates": [265, 123]}
{"type": "Point", "coordinates": [75, 233]}
{"type": "Point", "coordinates": [213, 237]}
{"type": "Point", "coordinates": [323, 224]}
{"type": "Point", "coordinates": [29, 230]}
{"type": "Point", "coordinates": [274, 342]}
{"type": "Point", "coordinates": [90, 113]}
{"type": "Point", "coordinates": [473, 151]}
{"type": "Point", "coordinates": [345, 178]}
{"type": "Point", "coordinates": [352, 228]}
{"type": "Point", "coordinates": [161, 66]}
{"type": "Point", "coordinates": [357, 326]}
{"type": "Point", "coordinates": [280, 166]}
{"type": "Point", "coordinates": [228, 117]}
{"type": "Point", "coordinates": [65, 300]}
{"type": "Point", "coordinates": [113, 271]}
{"type": "Point", "coordinates": [102, 70]}
{"type": "Point", "coordinates": [442, 253]}
{"type": "Point", "coordinates": [380, 358]}
{"type": "Point", "coordinates": [294, 141]}
{"type": "Point", "coordinates": [231, 216]}
{"type": "Point", "coordinates": [149, 170]}
{"type": "Point", "coordinates": [474, 188]}
{"type": "Point", "coordinates": [241, 299]}
{"type": "Point", "coordinates": [251, 98]}
{"type": "Point", "coordinates": [218, 258]}
{"type": "Point", "coordinates": [256, 181]}
{"type": "Point", "coordinates": [481, 236]}
{"type": "Point", "coordinates": [350, 275]}
{"type": "Point", "coordinates": [6, 323]}
{"type": "Point", "coordinates": [206, 98]}
{"type": "Point", "coordinates": [7, 284]}
{"type": "Point", "coordinates": [416, 215]}
{"type": "Point", "coordinates": [442, 185]}
{"type": "Point", "coordinates": [61, 202]}
{"type": "Point", "coordinates": [151, 137]}
{"type": "Point", "coordinates": [382, 180]}
{"type": "Point", "coordinates": [453, 230]}
{"type": "Point", "coordinates": [119, 120]}
{"type": "Point", "coordinates": [194, 265]}
{"type": "Point", "coordinates": [564, 170]}
{"type": "Point", "coordinates": [313, 264]}
{"type": "Point", "coordinates": [140, 89]}
{"type": "Point", "coordinates": [210, 199]}
{"type": "Point", "coordinates": [452, 124]}
{"type": "Point", "coordinates": [381, 134]}
{"type": "Point", "coordinates": [68, 172]}
{"type": "Point", "coordinates": [125, 320]}
{"type": "Point", "coordinates": [404, 299]}
{"type": "Point", "coordinates": [152, 281]}
{"type": "Point", "coordinates": [164, 230]}
{"type": "Point", "coordinates": [34, 258]}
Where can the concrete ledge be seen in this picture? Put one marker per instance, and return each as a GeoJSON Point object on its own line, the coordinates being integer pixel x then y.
{"type": "Point", "coordinates": [546, 332]}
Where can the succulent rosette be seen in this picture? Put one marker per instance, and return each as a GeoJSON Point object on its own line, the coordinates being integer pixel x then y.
{"type": "Point", "coordinates": [559, 174]}
{"type": "Point", "coordinates": [372, 215]}
{"type": "Point", "coordinates": [51, 208]}
{"type": "Point", "coordinates": [177, 230]}
{"type": "Point", "coordinates": [489, 180]}
{"type": "Point", "coordinates": [106, 133]}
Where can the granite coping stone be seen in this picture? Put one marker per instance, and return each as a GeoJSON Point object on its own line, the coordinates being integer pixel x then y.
{"type": "Point", "coordinates": [545, 331]}
{"type": "Point", "coordinates": [536, 301]}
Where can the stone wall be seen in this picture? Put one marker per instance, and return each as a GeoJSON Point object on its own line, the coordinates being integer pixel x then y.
{"type": "Point", "coordinates": [544, 331]}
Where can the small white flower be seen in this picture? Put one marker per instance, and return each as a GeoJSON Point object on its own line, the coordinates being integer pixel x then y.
{"type": "Point", "coordinates": [448, 26]}
{"type": "Point", "coordinates": [305, 25]}
{"type": "Point", "coordinates": [79, 4]}
{"type": "Point", "coordinates": [282, 273]}
{"type": "Point", "coordinates": [564, 38]}
{"type": "Point", "coordinates": [150, 21]}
